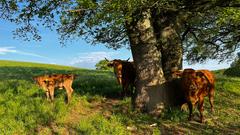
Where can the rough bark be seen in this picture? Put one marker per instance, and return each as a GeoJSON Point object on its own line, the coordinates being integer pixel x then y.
{"type": "Point", "coordinates": [152, 93]}
{"type": "Point", "coordinates": [172, 52]}
{"type": "Point", "coordinates": [169, 42]}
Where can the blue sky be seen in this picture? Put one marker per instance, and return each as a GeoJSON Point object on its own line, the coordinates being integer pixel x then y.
{"type": "Point", "coordinates": [77, 54]}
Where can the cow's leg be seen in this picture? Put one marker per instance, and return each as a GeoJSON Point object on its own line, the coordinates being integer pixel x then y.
{"type": "Point", "coordinates": [124, 89]}
{"type": "Point", "coordinates": [190, 107]}
{"type": "Point", "coordinates": [51, 92]}
{"type": "Point", "coordinates": [211, 96]}
{"type": "Point", "coordinates": [46, 91]}
{"type": "Point", "coordinates": [123, 92]}
{"type": "Point", "coordinates": [69, 91]}
{"type": "Point", "coordinates": [133, 97]}
{"type": "Point", "coordinates": [200, 108]}
{"type": "Point", "coordinates": [47, 94]}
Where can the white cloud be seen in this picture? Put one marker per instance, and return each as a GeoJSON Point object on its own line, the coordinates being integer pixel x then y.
{"type": "Point", "coordinates": [30, 54]}
{"type": "Point", "coordinates": [91, 58]}
{"type": "Point", "coordinates": [211, 65]}
{"type": "Point", "coordinates": [5, 50]}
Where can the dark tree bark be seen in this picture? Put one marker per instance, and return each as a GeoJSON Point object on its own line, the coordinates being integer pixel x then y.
{"type": "Point", "coordinates": [169, 41]}
{"type": "Point", "coordinates": [153, 93]}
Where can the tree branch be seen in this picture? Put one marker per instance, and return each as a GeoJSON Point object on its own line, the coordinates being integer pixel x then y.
{"type": "Point", "coordinates": [77, 10]}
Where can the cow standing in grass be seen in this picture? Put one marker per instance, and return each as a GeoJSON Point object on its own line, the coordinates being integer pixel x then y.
{"type": "Point", "coordinates": [50, 82]}
{"type": "Point", "coordinates": [196, 84]}
{"type": "Point", "coordinates": [125, 73]}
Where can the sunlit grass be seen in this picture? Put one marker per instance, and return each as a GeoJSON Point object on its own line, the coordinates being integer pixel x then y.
{"type": "Point", "coordinates": [96, 109]}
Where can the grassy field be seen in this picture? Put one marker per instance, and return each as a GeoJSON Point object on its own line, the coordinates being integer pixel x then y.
{"type": "Point", "coordinates": [95, 108]}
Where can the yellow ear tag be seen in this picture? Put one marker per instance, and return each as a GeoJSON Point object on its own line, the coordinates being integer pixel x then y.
{"type": "Point", "coordinates": [46, 79]}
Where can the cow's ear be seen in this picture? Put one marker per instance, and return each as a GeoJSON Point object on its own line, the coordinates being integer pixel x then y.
{"type": "Point", "coordinates": [177, 73]}
{"type": "Point", "coordinates": [106, 59]}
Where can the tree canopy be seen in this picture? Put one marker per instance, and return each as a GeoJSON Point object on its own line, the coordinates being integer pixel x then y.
{"type": "Point", "coordinates": [209, 29]}
{"type": "Point", "coordinates": [102, 65]}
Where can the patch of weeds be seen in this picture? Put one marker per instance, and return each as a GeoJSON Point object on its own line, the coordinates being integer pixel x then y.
{"type": "Point", "coordinates": [174, 114]}
{"type": "Point", "coordinates": [100, 125]}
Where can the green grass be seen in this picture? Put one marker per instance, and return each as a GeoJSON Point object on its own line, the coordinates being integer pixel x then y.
{"type": "Point", "coordinates": [94, 108]}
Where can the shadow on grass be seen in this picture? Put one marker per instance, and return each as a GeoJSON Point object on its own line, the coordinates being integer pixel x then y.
{"type": "Point", "coordinates": [198, 128]}
{"type": "Point", "coordinates": [174, 121]}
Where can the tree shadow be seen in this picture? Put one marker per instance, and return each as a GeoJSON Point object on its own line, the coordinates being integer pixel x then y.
{"type": "Point", "coordinates": [198, 128]}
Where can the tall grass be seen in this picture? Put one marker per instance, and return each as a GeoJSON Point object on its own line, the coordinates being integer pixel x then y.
{"type": "Point", "coordinates": [96, 109]}
{"type": "Point", "coordinates": [23, 106]}
{"type": "Point", "coordinates": [99, 125]}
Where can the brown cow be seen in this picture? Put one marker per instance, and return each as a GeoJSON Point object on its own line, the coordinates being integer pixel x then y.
{"type": "Point", "coordinates": [197, 84]}
{"type": "Point", "coordinates": [50, 82]}
{"type": "Point", "coordinates": [125, 74]}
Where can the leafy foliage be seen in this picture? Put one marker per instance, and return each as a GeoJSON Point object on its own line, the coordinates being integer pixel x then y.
{"type": "Point", "coordinates": [102, 65]}
{"type": "Point", "coordinates": [236, 62]}
{"type": "Point", "coordinates": [209, 28]}
{"type": "Point", "coordinates": [213, 34]}
{"type": "Point", "coordinates": [234, 69]}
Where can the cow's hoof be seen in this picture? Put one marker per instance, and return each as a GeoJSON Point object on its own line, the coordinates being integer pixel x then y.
{"type": "Point", "coordinates": [189, 118]}
{"type": "Point", "coordinates": [68, 102]}
{"type": "Point", "coordinates": [201, 120]}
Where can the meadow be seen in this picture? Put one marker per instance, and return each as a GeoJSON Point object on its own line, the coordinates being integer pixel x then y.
{"type": "Point", "coordinates": [96, 109]}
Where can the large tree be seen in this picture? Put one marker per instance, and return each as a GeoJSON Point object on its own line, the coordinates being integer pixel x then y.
{"type": "Point", "coordinates": [160, 33]}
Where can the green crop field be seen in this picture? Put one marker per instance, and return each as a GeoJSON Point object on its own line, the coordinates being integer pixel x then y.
{"type": "Point", "coordinates": [95, 108]}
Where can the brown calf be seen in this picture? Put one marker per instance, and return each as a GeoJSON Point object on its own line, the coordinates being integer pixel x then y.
{"type": "Point", "coordinates": [125, 74]}
{"type": "Point", "coordinates": [197, 84]}
{"type": "Point", "coordinates": [50, 82]}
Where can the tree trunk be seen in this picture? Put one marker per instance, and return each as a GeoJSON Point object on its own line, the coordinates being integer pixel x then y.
{"type": "Point", "coordinates": [172, 52]}
{"type": "Point", "coordinates": [152, 93]}
{"type": "Point", "coordinates": [169, 42]}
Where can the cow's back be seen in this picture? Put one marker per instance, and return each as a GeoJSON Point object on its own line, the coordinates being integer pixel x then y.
{"type": "Point", "coordinates": [209, 76]}
{"type": "Point", "coordinates": [40, 79]}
